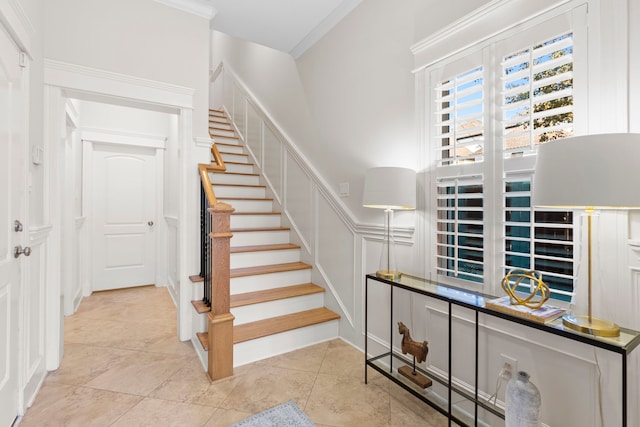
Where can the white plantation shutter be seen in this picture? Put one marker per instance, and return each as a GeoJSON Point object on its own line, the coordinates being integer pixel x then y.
{"type": "Point", "coordinates": [459, 120]}
{"type": "Point", "coordinates": [460, 228]}
{"type": "Point", "coordinates": [537, 94]}
{"type": "Point", "coordinates": [540, 240]}
{"type": "Point", "coordinates": [491, 104]}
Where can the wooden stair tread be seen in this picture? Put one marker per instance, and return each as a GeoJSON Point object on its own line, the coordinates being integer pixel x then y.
{"type": "Point", "coordinates": [196, 278]}
{"type": "Point", "coordinates": [267, 269]}
{"type": "Point", "coordinates": [274, 294]}
{"type": "Point", "coordinates": [244, 198]}
{"type": "Point", "coordinates": [262, 248]}
{"type": "Point", "coordinates": [239, 185]}
{"type": "Point", "coordinates": [256, 213]}
{"type": "Point", "coordinates": [223, 144]}
{"type": "Point", "coordinates": [203, 337]}
{"type": "Point", "coordinates": [239, 163]}
{"type": "Point", "coordinates": [235, 154]}
{"type": "Point", "coordinates": [213, 135]}
{"type": "Point", "coordinates": [276, 325]}
{"type": "Point", "coordinates": [200, 306]}
{"type": "Point", "coordinates": [249, 230]}
{"type": "Point", "coordinates": [236, 174]}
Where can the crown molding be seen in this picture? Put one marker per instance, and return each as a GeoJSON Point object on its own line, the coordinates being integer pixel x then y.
{"type": "Point", "coordinates": [324, 27]}
{"type": "Point", "coordinates": [17, 23]}
{"type": "Point", "coordinates": [495, 17]}
{"type": "Point", "coordinates": [201, 8]}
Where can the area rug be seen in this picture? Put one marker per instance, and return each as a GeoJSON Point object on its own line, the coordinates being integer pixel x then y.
{"type": "Point", "coordinates": [285, 415]}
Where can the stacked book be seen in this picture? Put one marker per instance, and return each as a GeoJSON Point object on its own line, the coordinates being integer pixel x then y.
{"type": "Point", "coordinates": [544, 314]}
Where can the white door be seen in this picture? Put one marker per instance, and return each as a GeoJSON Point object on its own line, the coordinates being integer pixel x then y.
{"type": "Point", "coordinates": [12, 202]}
{"type": "Point", "coordinates": [124, 214]}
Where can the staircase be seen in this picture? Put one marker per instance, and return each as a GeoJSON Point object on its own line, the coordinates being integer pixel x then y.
{"type": "Point", "coordinates": [276, 307]}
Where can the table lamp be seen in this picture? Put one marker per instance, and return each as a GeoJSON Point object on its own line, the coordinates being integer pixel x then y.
{"type": "Point", "coordinates": [389, 188]}
{"type": "Point", "coordinates": [594, 172]}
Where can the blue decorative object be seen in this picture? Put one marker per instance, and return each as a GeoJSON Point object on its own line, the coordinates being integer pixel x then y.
{"type": "Point", "coordinates": [285, 415]}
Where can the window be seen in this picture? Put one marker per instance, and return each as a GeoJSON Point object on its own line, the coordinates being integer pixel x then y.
{"type": "Point", "coordinates": [459, 109]}
{"type": "Point", "coordinates": [538, 240]}
{"type": "Point", "coordinates": [538, 94]}
{"type": "Point", "coordinates": [488, 117]}
{"type": "Point", "coordinates": [460, 229]}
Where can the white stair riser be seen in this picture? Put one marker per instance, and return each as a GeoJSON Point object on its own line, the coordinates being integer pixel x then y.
{"type": "Point", "coordinates": [255, 221]}
{"type": "Point", "coordinates": [250, 238]}
{"type": "Point", "coordinates": [220, 124]}
{"type": "Point", "coordinates": [237, 158]}
{"type": "Point", "coordinates": [221, 132]}
{"type": "Point", "coordinates": [231, 148]}
{"type": "Point", "coordinates": [261, 282]}
{"type": "Point", "coordinates": [239, 168]}
{"type": "Point", "coordinates": [232, 178]}
{"type": "Point", "coordinates": [262, 348]}
{"type": "Point", "coordinates": [249, 205]}
{"type": "Point", "coordinates": [266, 310]}
{"type": "Point", "coordinates": [239, 191]}
{"type": "Point", "coordinates": [254, 259]}
{"type": "Point", "coordinates": [202, 355]}
{"type": "Point", "coordinates": [225, 139]}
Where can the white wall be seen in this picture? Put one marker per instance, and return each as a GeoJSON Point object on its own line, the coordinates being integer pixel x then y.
{"type": "Point", "coordinates": [349, 104]}
{"type": "Point", "coordinates": [139, 38]}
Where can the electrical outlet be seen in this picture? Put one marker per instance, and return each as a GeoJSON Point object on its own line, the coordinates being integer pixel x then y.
{"type": "Point", "coordinates": [509, 366]}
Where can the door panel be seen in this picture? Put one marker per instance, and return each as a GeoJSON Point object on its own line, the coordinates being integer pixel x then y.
{"type": "Point", "coordinates": [124, 204]}
{"type": "Point", "coordinates": [12, 191]}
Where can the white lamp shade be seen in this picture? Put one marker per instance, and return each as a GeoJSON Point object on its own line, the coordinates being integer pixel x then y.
{"type": "Point", "coordinates": [594, 171]}
{"type": "Point", "coordinates": [390, 188]}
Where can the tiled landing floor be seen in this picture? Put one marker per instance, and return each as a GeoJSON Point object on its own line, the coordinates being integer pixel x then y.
{"type": "Point", "coordinates": [124, 366]}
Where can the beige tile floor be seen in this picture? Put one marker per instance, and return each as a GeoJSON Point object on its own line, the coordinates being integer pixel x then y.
{"type": "Point", "coordinates": [124, 366]}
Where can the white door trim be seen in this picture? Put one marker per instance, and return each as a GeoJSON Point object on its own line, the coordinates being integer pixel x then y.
{"type": "Point", "coordinates": [90, 145]}
{"type": "Point", "coordinates": [62, 80]}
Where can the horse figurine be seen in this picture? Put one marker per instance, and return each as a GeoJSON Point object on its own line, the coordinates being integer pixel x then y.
{"type": "Point", "coordinates": [419, 350]}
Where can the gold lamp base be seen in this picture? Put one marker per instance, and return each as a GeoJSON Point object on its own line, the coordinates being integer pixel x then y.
{"type": "Point", "coordinates": [389, 274]}
{"type": "Point", "coordinates": [592, 326]}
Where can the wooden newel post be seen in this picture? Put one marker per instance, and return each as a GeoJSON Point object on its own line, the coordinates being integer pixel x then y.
{"type": "Point", "coordinates": [220, 328]}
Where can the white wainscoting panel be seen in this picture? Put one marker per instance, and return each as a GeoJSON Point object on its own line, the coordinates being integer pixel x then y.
{"type": "Point", "coordinates": [254, 134]}
{"type": "Point", "coordinates": [272, 167]}
{"type": "Point", "coordinates": [299, 208]}
{"type": "Point", "coordinates": [335, 255]}
{"type": "Point", "coordinates": [564, 370]}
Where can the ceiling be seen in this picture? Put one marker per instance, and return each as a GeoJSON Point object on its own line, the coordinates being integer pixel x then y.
{"type": "Point", "coordinates": [291, 26]}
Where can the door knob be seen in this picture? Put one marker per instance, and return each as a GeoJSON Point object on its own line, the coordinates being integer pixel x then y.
{"type": "Point", "coordinates": [150, 223]}
{"type": "Point", "coordinates": [17, 226]}
{"type": "Point", "coordinates": [18, 250]}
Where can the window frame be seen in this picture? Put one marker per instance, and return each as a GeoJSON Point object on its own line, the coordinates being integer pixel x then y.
{"type": "Point", "coordinates": [571, 18]}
